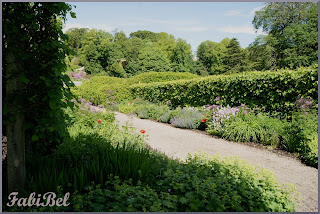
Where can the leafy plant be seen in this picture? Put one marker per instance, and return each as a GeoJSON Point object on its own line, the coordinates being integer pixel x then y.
{"type": "Point", "coordinates": [187, 118]}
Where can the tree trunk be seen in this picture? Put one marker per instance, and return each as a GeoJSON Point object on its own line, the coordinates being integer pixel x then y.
{"type": "Point", "coordinates": [15, 130]}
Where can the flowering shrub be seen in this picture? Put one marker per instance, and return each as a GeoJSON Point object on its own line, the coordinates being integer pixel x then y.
{"type": "Point", "coordinates": [79, 76]}
{"type": "Point", "coordinates": [187, 118]}
{"type": "Point", "coordinates": [220, 115]}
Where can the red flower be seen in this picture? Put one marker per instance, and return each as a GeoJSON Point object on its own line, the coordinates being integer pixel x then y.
{"type": "Point", "coordinates": [142, 131]}
{"type": "Point", "coordinates": [203, 120]}
{"type": "Point", "coordinates": [130, 102]}
{"type": "Point", "coordinates": [99, 121]}
{"type": "Point", "coordinates": [65, 101]}
{"type": "Point", "coordinates": [207, 115]}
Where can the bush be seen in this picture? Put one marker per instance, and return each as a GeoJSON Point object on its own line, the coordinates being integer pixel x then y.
{"type": "Point", "coordinates": [276, 91]}
{"type": "Point", "coordinates": [210, 184]}
{"type": "Point", "coordinates": [94, 150]}
{"type": "Point", "coordinates": [105, 89]}
{"type": "Point", "coordinates": [150, 77]}
{"type": "Point", "coordinates": [298, 135]}
{"type": "Point", "coordinates": [187, 118]}
{"type": "Point", "coordinates": [213, 184]}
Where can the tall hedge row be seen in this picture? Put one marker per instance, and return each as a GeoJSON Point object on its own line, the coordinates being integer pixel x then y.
{"type": "Point", "coordinates": [105, 89]}
{"type": "Point", "coordinates": [276, 91]}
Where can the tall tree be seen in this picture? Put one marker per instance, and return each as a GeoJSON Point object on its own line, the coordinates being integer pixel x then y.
{"type": "Point", "coordinates": [234, 58]}
{"type": "Point", "coordinates": [150, 59]}
{"type": "Point", "coordinates": [293, 28]}
{"type": "Point", "coordinates": [76, 35]}
{"type": "Point", "coordinates": [33, 60]}
{"type": "Point", "coordinates": [212, 56]}
{"type": "Point", "coordinates": [182, 57]}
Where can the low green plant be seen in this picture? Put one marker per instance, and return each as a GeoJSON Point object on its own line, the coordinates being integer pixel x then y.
{"type": "Point", "coordinates": [187, 118]}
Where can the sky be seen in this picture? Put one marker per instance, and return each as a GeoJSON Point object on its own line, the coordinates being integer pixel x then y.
{"type": "Point", "coordinates": [194, 22]}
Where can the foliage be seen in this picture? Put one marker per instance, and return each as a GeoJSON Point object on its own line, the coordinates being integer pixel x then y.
{"type": "Point", "coordinates": [151, 58]}
{"type": "Point", "coordinates": [30, 30]}
{"type": "Point", "coordinates": [298, 135]}
{"type": "Point", "coordinates": [107, 90]}
{"type": "Point", "coordinates": [182, 57]}
{"type": "Point", "coordinates": [150, 77]}
{"type": "Point", "coordinates": [187, 118]}
{"type": "Point", "coordinates": [276, 91]}
{"type": "Point", "coordinates": [292, 29]}
{"type": "Point", "coordinates": [199, 184]}
{"type": "Point", "coordinates": [211, 184]}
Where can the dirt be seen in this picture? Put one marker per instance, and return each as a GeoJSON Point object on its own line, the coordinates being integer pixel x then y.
{"type": "Point", "coordinates": [177, 143]}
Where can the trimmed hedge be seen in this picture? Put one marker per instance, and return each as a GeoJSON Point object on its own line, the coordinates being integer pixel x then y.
{"type": "Point", "coordinates": [105, 90]}
{"type": "Point", "coordinates": [150, 77]}
{"type": "Point", "coordinates": [276, 91]}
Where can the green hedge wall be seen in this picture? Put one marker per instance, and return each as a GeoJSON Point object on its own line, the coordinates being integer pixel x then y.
{"type": "Point", "coordinates": [276, 91]}
{"type": "Point", "coordinates": [150, 77]}
{"type": "Point", "coordinates": [105, 89]}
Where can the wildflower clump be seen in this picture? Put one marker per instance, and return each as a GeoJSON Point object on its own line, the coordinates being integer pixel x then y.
{"type": "Point", "coordinates": [220, 115]}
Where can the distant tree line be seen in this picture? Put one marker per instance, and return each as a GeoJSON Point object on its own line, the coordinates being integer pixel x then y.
{"type": "Point", "coordinates": [291, 42]}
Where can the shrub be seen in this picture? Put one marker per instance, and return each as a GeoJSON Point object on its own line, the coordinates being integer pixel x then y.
{"type": "Point", "coordinates": [276, 90]}
{"type": "Point", "coordinates": [187, 118]}
{"type": "Point", "coordinates": [150, 77]}
{"type": "Point", "coordinates": [213, 184]}
{"type": "Point", "coordinates": [105, 89]}
{"type": "Point", "coordinates": [210, 184]}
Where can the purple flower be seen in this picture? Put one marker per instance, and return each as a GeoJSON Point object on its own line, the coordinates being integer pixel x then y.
{"type": "Point", "coordinates": [245, 112]}
{"type": "Point", "coordinates": [100, 106]}
{"type": "Point", "coordinates": [83, 115]}
{"type": "Point", "coordinates": [218, 98]}
{"type": "Point", "coordinates": [242, 105]}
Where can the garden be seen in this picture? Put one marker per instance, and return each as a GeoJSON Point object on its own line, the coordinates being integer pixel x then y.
{"type": "Point", "coordinates": [63, 150]}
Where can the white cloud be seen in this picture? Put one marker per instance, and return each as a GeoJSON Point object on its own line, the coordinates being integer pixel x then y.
{"type": "Point", "coordinates": [176, 22]}
{"type": "Point", "coordinates": [193, 29]}
{"type": "Point", "coordinates": [240, 29]}
{"type": "Point", "coordinates": [234, 12]}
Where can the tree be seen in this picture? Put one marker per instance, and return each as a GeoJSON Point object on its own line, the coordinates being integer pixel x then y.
{"type": "Point", "coordinates": [212, 55]}
{"type": "Point", "coordinates": [260, 54]}
{"type": "Point", "coordinates": [151, 59]}
{"type": "Point", "coordinates": [292, 29]}
{"type": "Point", "coordinates": [76, 35]}
{"type": "Point", "coordinates": [145, 35]}
{"type": "Point", "coordinates": [234, 58]}
{"type": "Point", "coordinates": [182, 57]}
{"type": "Point", "coordinates": [34, 53]}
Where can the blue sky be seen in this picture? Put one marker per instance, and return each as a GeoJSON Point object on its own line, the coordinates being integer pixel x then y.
{"type": "Point", "coordinates": [194, 22]}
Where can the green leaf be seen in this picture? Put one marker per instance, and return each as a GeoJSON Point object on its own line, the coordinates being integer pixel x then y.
{"type": "Point", "coordinates": [35, 137]}
{"type": "Point", "coordinates": [73, 15]}
{"type": "Point", "coordinates": [183, 200]}
{"type": "Point", "coordinates": [24, 79]}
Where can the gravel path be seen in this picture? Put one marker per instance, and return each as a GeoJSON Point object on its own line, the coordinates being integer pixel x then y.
{"type": "Point", "coordinates": [177, 143]}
